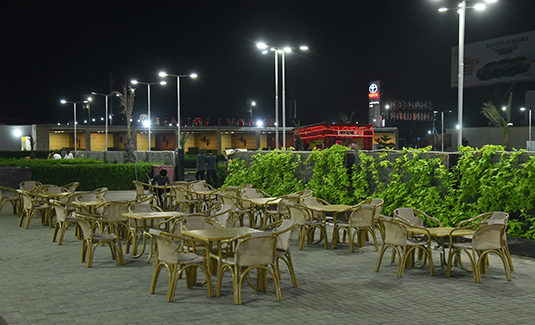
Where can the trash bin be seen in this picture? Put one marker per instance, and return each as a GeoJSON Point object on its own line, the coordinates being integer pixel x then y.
{"type": "Point", "coordinates": [170, 170]}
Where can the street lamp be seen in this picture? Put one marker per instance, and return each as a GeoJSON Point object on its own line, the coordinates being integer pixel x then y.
{"type": "Point", "coordinates": [460, 76]}
{"type": "Point", "coordinates": [252, 104]}
{"type": "Point", "coordinates": [282, 51]}
{"type": "Point", "coordinates": [178, 76]}
{"type": "Point", "coordinates": [135, 82]}
{"type": "Point", "coordinates": [107, 117]}
{"type": "Point", "coordinates": [63, 101]}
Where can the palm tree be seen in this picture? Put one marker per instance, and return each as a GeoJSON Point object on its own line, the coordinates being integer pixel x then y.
{"type": "Point", "coordinates": [126, 98]}
{"type": "Point", "coordinates": [500, 118]}
{"type": "Point", "coordinates": [345, 118]}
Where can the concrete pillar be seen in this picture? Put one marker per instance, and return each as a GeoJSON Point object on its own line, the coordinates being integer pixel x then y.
{"type": "Point", "coordinates": [219, 142]}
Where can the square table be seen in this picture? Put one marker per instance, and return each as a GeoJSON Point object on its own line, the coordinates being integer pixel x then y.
{"type": "Point", "coordinates": [214, 235]}
{"type": "Point", "coordinates": [331, 208]}
{"type": "Point", "coordinates": [439, 234]}
{"type": "Point", "coordinates": [144, 217]}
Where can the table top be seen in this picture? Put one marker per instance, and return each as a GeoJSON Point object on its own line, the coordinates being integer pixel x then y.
{"type": "Point", "coordinates": [441, 231]}
{"type": "Point", "coordinates": [153, 215]}
{"type": "Point", "coordinates": [88, 203]}
{"type": "Point", "coordinates": [219, 233]}
{"type": "Point", "coordinates": [264, 200]}
{"type": "Point", "coordinates": [330, 207]}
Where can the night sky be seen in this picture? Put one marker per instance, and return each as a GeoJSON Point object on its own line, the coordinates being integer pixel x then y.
{"type": "Point", "coordinates": [54, 50]}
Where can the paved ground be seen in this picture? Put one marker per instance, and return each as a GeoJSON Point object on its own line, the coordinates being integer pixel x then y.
{"type": "Point", "coordinates": [42, 283]}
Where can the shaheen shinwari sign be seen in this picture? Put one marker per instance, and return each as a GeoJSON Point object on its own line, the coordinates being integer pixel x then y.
{"type": "Point", "coordinates": [498, 60]}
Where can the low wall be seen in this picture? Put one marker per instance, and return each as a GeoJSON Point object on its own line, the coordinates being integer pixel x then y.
{"type": "Point", "coordinates": [165, 157]}
{"type": "Point", "coordinates": [11, 176]}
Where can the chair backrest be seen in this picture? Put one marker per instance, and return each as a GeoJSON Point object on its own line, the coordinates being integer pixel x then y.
{"type": "Point", "coordinates": [87, 197]}
{"type": "Point", "coordinates": [165, 247]}
{"type": "Point", "coordinates": [179, 193]}
{"type": "Point", "coordinates": [395, 233]}
{"type": "Point", "coordinates": [298, 213]}
{"type": "Point", "coordinates": [378, 207]}
{"type": "Point", "coordinates": [222, 215]}
{"type": "Point", "coordinates": [113, 211]}
{"type": "Point", "coordinates": [258, 249]}
{"type": "Point", "coordinates": [199, 186]}
{"type": "Point", "coordinates": [282, 206]}
{"type": "Point", "coordinates": [196, 222]}
{"type": "Point", "coordinates": [27, 201]}
{"type": "Point", "coordinates": [61, 210]}
{"type": "Point", "coordinates": [229, 199]}
{"type": "Point", "coordinates": [408, 215]}
{"type": "Point", "coordinates": [71, 188]}
{"type": "Point", "coordinates": [499, 217]}
{"type": "Point", "coordinates": [142, 207]}
{"type": "Point", "coordinates": [251, 193]}
{"type": "Point", "coordinates": [53, 190]}
{"type": "Point", "coordinates": [101, 191]}
{"type": "Point", "coordinates": [284, 234]}
{"type": "Point", "coordinates": [488, 236]}
{"type": "Point", "coordinates": [140, 189]}
{"type": "Point", "coordinates": [362, 216]}
{"type": "Point", "coordinates": [84, 224]}
{"type": "Point", "coordinates": [28, 185]}
{"type": "Point", "coordinates": [309, 200]}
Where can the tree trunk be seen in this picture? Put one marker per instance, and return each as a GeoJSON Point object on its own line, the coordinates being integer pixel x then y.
{"type": "Point", "coordinates": [129, 156]}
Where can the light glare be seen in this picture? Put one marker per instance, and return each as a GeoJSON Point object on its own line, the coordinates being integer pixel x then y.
{"type": "Point", "coordinates": [163, 74]}
{"type": "Point", "coordinates": [480, 6]}
{"type": "Point", "coordinates": [193, 75]}
{"type": "Point", "coordinates": [261, 45]}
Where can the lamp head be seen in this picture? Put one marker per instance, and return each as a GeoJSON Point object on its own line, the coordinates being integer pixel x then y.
{"type": "Point", "coordinates": [193, 75]}
{"type": "Point", "coordinates": [261, 45]}
{"type": "Point", "coordinates": [163, 83]}
{"type": "Point", "coordinates": [63, 101]}
{"type": "Point", "coordinates": [134, 82]}
{"type": "Point", "coordinates": [163, 74]}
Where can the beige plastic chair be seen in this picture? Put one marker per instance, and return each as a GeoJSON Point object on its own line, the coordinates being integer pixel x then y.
{"type": "Point", "coordinates": [361, 218]}
{"type": "Point", "coordinates": [93, 240]}
{"type": "Point", "coordinates": [488, 238]}
{"type": "Point", "coordinates": [307, 224]}
{"type": "Point", "coordinates": [254, 251]}
{"type": "Point", "coordinates": [177, 260]}
{"type": "Point", "coordinates": [11, 198]}
{"type": "Point", "coordinates": [63, 221]}
{"type": "Point", "coordinates": [402, 244]}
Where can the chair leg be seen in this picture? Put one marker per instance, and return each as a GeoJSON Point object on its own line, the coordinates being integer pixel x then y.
{"type": "Point", "coordinates": [157, 270]}
{"type": "Point", "coordinates": [56, 229]}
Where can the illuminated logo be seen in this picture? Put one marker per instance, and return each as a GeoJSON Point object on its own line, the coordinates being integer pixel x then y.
{"type": "Point", "coordinates": [373, 88]}
{"type": "Point", "coordinates": [373, 95]}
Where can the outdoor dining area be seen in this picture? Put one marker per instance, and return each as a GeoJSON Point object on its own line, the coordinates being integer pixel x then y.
{"type": "Point", "coordinates": [198, 233]}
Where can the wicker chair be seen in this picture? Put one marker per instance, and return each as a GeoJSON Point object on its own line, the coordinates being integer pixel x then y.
{"type": "Point", "coordinates": [361, 218]}
{"type": "Point", "coordinates": [12, 198]}
{"type": "Point", "coordinates": [488, 238]}
{"type": "Point", "coordinates": [93, 240]}
{"type": "Point", "coordinates": [30, 207]}
{"type": "Point", "coordinates": [254, 251]}
{"type": "Point", "coordinates": [397, 238]}
{"type": "Point", "coordinates": [284, 235]}
{"type": "Point", "coordinates": [307, 224]}
{"type": "Point", "coordinates": [177, 259]}
{"type": "Point", "coordinates": [63, 220]}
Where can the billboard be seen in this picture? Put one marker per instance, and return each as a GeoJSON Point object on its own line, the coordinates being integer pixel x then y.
{"type": "Point", "coordinates": [374, 102]}
{"type": "Point", "coordinates": [498, 60]}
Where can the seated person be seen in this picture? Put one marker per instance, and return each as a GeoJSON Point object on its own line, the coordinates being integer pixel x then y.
{"type": "Point", "coordinates": [161, 179]}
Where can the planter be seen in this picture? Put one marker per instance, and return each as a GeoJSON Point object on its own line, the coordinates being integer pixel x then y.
{"type": "Point", "coordinates": [521, 246]}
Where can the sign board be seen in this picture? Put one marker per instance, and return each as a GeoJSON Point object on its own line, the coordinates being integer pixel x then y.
{"type": "Point", "coordinates": [498, 60]}
{"type": "Point", "coordinates": [374, 103]}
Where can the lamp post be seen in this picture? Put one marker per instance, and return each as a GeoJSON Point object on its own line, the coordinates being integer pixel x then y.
{"type": "Point", "coordinates": [107, 117]}
{"type": "Point", "coordinates": [460, 76]}
{"type": "Point", "coordinates": [252, 104]}
{"type": "Point", "coordinates": [135, 82]}
{"type": "Point", "coordinates": [178, 76]}
{"type": "Point", "coordinates": [282, 51]}
{"type": "Point", "coordinates": [529, 129]}
{"type": "Point", "coordinates": [63, 101]}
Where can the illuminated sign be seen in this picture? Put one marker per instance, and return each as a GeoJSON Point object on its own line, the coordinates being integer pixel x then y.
{"type": "Point", "coordinates": [374, 102]}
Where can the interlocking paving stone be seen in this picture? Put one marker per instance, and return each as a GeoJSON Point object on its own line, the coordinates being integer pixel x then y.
{"type": "Point", "coordinates": [43, 283]}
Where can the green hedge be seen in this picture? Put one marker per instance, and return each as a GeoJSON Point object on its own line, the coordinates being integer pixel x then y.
{"type": "Point", "coordinates": [112, 176]}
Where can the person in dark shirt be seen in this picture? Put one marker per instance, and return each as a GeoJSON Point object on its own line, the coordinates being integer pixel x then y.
{"type": "Point", "coordinates": [211, 169]}
{"type": "Point", "coordinates": [201, 162]}
{"type": "Point", "coordinates": [160, 179]}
